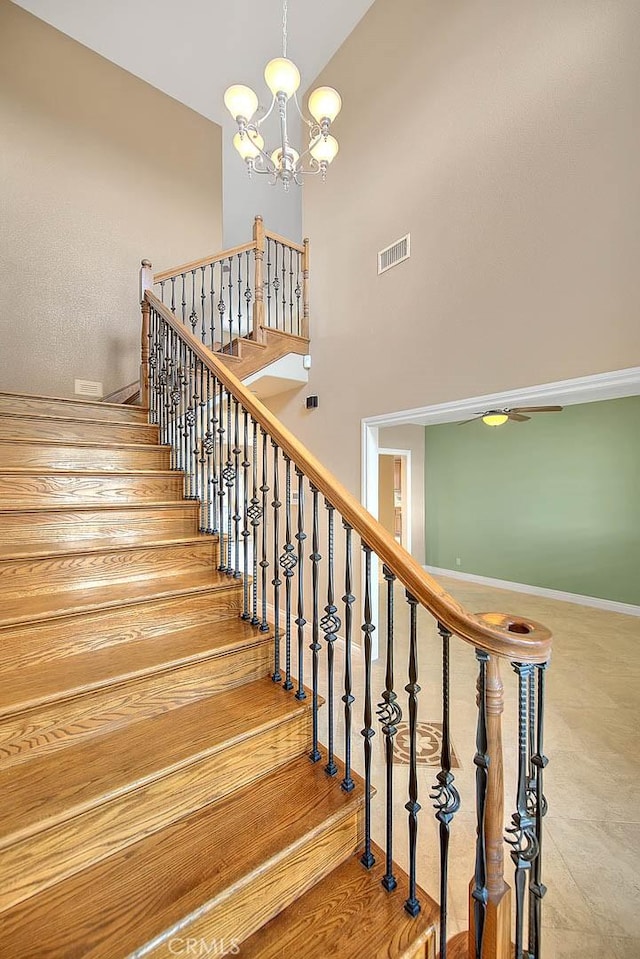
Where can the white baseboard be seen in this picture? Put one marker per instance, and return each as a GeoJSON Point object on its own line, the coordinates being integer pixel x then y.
{"type": "Point", "coordinates": [608, 604]}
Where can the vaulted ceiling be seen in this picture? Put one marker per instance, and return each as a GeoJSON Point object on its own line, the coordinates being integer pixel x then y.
{"type": "Point", "coordinates": [193, 50]}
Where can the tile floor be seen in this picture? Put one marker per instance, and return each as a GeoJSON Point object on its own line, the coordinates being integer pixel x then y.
{"type": "Point", "coordinates": [592, 837]}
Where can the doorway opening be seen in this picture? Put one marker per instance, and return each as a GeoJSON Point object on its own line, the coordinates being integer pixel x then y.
{"type": "Point", "coordinates": [394, 494]}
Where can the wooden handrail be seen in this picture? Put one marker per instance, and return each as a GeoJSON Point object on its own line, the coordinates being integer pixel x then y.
{"type": "Point", "coordinates": [203, 261]}
{"type": "Point", "coordinates": [504, 636]}
{"type": "Point", "coordinates": [282, 239]}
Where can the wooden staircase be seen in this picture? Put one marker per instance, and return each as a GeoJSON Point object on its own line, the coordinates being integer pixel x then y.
{"type": "Point", "coordinates": [155, 786]}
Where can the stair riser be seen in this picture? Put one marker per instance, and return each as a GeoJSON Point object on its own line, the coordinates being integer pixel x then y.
{"type": "Point", "coordinates": [19, 455]}
{"type": "Point", "coordinates": [57, 725]}
{"type": "Point", "coordinates": [42, 642]}
{"type": "Point", "coordinates": [22, 577]}
{"type": "Point", "coordinates": [250, 905]}
{"type": "Point", "coordinates": [64, 848]}
{"type": "Point", "coordinates": [44, 406]}
{"type": "Point", "coordinates": [70, 431]}
{"type": "Point", "coordinates": [41, 529]}
{"type": "Point", "coordinates": [49, 489]}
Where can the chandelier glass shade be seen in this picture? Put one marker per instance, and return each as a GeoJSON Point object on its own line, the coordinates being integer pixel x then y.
{"type": "Point", "coordinates": [284, 163]}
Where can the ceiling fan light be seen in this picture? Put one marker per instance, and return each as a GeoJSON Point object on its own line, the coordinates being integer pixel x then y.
{"type": "Point", "coordinates": [282, 76]}
{"type": "Point", "coordinates": [495, 419]}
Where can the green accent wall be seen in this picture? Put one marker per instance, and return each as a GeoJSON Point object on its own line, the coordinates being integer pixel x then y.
{"type": "Point", "coordinates": [553, 502]}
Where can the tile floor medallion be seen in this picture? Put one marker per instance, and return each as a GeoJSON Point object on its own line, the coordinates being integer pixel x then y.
{"type": "Point", "coordinates": [428, 745]}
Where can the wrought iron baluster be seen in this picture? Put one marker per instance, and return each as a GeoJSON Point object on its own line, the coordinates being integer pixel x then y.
{"type": "Point", "coordinates": [348, 699]}
{"type": "Point", "coordinates": [224, 531]}
{"type": "Point", "coordinates": [276, 581]}
{"type": "Point", "coordinates": [539, 761]}
{"type": "Point", "coordinates": [480, 892]}
{"type": "Point", "coordinates": [162, 283]}
{"type": "Point", "coordinates": [205, 522]}
{"type": "Point", "coordinates": [203, 306]}
{"type": "Point", "coordinates": [184, 419]}
{"type": "Point", "coordinates": [521, 835]}
{"type": "Point", "coordinates": [445, 795]}
{"type": "Point", "coordinates": [284, 289]}
{"type": "Point", "coordinates": [298, 292]}
{"type": "Point", "coordinates": [268, 281]}
{"type": "Point", "coordinates": [212, 306]}
{"type": "Point", "coordinates": [315, 647]}
{"type": "Point", "coordinates": [246, 614]}
{"type": "Point", "coordinates": [264, 562]}
{"type": "Point", "coordinates": [229, 475]}
{"type": "Point", "coordinates": [213, 470]}
{"type": "Point", "coordinates": [288, 562]}
{"type": "Point", "coordinates": [222, 307]}
{"type": "Point", "coordinates": [183, 276]}
{"type": "Point", "coordinates": [237, 515]}
{"type": "Point", "coordinates": [290, 290]}
{"type": "Point", "coordinates": [194, 424]}
{"type": "Point", "coordinates": [389, 714]}
{"type": "Point", "coordinates": [367, 859]}
{"type": "Point", "coordinates": [248, 295]}
{"type": "Point", "coordinates": [300, 620]}
{"type": "Point", "coordinates": [255, 515]}
{"type": "Point", "coordinates": [193, 316]}
{"type": "Point", "coordinates": [276, 286]}
{"type": "Point", "coordinates": [240, 293]}
{"type": "Point", "coordinates": [229, 269]}
{"type": "Point", "coordinates": [412, 904]}
{"type": "Point", "coordinates": [173, 294]}
{"type": "Point", "coordinates": [330, 624]}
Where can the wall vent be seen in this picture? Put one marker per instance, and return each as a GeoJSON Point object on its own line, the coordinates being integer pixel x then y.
{"type": "Point", "coordinates": [88, 388]}
{"type": "Point", "coordinates": [394, 254]}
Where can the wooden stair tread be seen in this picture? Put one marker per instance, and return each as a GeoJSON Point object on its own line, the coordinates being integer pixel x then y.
{"type": "Point", "coordinates": [82, 444]}
{"type": "Point", "coordinates": [348, 915]}
{"type": "Point", "coordinates": [99, 545]}
{"type": "Point", "coordinates": [129, 899]}
{"type": "Point", "coordinates": [84, 420]}
{"type": "Point", "coordinates": [50, 788]}
{"type": "Point", "coordinates": [81, 507]}
{"type": "Point", "coordinates": [25, 687]}
{"type": "Point", "coordinates": [67, 399]}
{"type": "Point", "coordinates": [34, 471]}
{"type": "Point", "coordinates": [71, 602]}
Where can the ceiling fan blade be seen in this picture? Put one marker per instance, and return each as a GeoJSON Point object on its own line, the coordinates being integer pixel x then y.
{"type": "Point", "coordinates": [537, 409]}
{"type": "Point", "coordinates": [518, 417]}
{"type": "Point", "coordinates": [472, 420]}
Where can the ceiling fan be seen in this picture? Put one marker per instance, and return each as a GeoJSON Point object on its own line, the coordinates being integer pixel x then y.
{"type": "Point", "coordinates": [516, 415]}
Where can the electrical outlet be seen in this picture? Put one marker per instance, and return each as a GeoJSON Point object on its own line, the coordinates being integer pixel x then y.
{"type": "Point", "coordinates": [458, 561]}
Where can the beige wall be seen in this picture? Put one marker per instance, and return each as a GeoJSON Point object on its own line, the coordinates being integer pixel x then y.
{"type": "Point", "coordinates": [97, 170]}
{"type": "Point", "coordinates": [505, 137]}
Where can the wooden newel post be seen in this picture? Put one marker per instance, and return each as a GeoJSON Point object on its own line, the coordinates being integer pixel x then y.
{"type": "Point", "coordinates": [146, 283]}
{"type": "Point", "coordinates": [258, 300]}
{"type": "Point", "coordinates": [497, 929]}
{"type": "Point", "coordinates": [305, 289]}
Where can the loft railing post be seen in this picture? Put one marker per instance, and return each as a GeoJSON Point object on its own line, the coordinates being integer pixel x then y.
{"type": "Point", "coordinates": [258, 302]}
{"type": "Point", "coordinates": [146, 283]}
{"type": "Point", "coordinates": [496, 940]}
{"type": "Point", "coordinates": [305, 289]}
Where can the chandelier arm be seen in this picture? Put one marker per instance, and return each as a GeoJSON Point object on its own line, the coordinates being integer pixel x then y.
{"type": "Point", "coordinates": [307, 152]}
{"type": "Point", "coordinates": [305, 119]}
{"type": "Point", "coordinates": [259, 122]}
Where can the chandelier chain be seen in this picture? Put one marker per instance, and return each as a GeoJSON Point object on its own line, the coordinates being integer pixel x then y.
{"type": "Point", "coordinates": [285, 9]}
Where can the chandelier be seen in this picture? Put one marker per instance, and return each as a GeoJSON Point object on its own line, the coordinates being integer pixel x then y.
{"type": "Point", "coordinates": [284, 163]}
